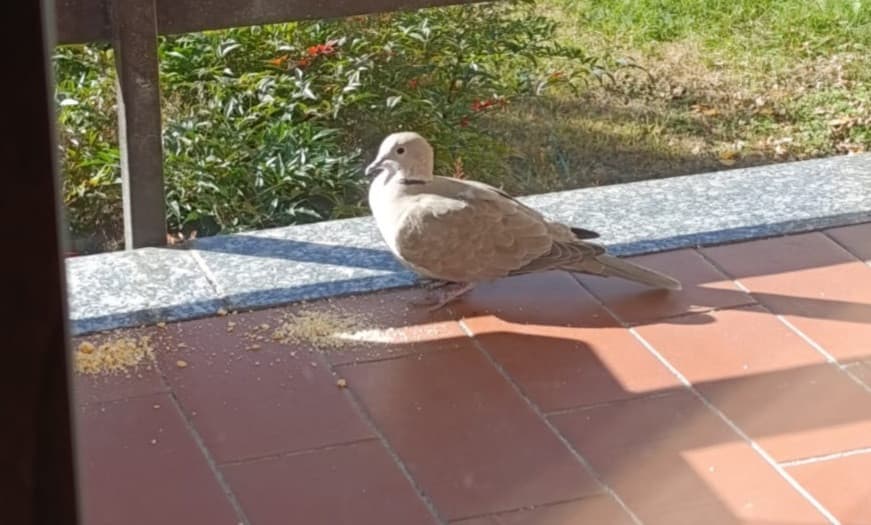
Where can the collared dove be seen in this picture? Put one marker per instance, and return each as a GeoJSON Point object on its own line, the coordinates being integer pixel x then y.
{"type": "Point", "coordinates": [467, 232]}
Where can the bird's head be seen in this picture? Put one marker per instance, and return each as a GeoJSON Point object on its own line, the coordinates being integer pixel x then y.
{"type": "Point", "coordinates": [406, 155]}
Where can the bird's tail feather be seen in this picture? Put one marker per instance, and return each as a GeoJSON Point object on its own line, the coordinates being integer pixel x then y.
{"type": "Point", "coordinates": [616, 267]}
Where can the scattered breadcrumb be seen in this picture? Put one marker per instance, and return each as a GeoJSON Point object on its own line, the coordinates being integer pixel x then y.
{"type": "Point", "coordinates": [181, 363]}
{"type": "Point", "coordinates": [341, 383]}
{"type": "Point", "coordinates": [222, 312]}
{"type": "Point", "coordinates": [323, 329]}
{"type": "Point", "coordinates": [161, 324]}
{"type": "Point", "coordinates": [116, 355]}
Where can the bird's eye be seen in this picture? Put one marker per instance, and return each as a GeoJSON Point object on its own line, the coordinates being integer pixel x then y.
{"type": "Point", "coordinates": [400, 151]}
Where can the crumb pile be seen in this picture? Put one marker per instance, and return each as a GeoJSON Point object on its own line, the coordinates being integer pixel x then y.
{"type": "Point", "coordinates": [323, 329]}
{"type": "Point", "coordinates": [116, 355]}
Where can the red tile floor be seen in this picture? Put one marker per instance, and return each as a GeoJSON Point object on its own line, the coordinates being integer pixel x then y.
{"type": "Point", "coordinates": [537, 400]}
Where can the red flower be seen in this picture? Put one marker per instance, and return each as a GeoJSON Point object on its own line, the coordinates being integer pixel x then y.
{"type": "Point", "coordinates": [303, 63]}
{"type": "Point", "coordinates": [478, 105]}
{"type": "Point", "coordinates": [413, 83]}
{"type": "Point", "coordinates": [556, 75]}
{"type": "Point", "coordinates": [321, 49]}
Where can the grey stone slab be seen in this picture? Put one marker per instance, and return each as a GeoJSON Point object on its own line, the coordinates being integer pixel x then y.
{"type": "Point", "coordinates": [148, 285]}
{"type": "Point", "coordinates": [720, 207]}
{"type": "Point", "coordinates": [281, 265]}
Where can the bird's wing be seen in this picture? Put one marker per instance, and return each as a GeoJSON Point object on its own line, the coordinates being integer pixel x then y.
{"type": "Point", "coordinates": [558, 231]}
{"type": "Point", "coordinates": [465, 232]}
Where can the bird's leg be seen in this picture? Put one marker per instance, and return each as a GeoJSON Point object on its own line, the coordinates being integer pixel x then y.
{"type": "Point", "coordinates": [435, 284]}
{"type": "Point", "coordinates": [447, 298]}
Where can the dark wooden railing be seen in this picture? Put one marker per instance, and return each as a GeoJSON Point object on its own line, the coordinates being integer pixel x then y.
{"type": "Point", "coordinates": [132, 27]}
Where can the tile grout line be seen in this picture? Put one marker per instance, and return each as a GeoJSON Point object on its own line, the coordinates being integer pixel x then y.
{"type": "Point", "coordinates": [201, 444]}
{"type": "Point", "coordinates": [606, 404]}
{"type": "Point", "coordinates": [293, 453]}
{"type": "Point", "coordinates": [550, 426]}
{"type": "Point", "coordinates": [840, 245]}
{"type": "Point", "coordinates": [831, 359]}
{"type": "Point", "coordinates": [370, 421]}
{"type": "Point", "coordinates": [506, 512]}
{"type": "Point", "coordinates": [735, 428]}
{"type": "Point", "coordinates": [826, 457]}
{"type": "Point", "coordinates": [213, 465]}
{"type": "Point", "coordinates": [210, 276]}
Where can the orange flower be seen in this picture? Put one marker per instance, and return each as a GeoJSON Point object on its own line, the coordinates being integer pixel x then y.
{"type": "Point", "coordinates": [556, 75]}
{"type": "Point", "coordinates": [303, 63]}
{"type": "Point", "coordinates": [278, 61]}
{"type": "Point", "coordinates": [413, 83]}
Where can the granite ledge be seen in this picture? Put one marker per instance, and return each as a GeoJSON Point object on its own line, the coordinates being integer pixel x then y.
{"type": "Point", "coordinates": [282, 265]}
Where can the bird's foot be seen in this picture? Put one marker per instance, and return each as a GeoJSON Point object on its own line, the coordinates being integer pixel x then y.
{"type": "Point", "coordinates": [436, 299]}
{"type": "Point", "coordinates": [451, 297]}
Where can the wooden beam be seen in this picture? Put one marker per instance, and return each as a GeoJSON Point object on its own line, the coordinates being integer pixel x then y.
{"type": "Point", "coordinates": [81, 21]}
{"type": "Point", "coordinates": [134, 39]}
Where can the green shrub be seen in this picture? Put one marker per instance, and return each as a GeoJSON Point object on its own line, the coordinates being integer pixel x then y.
{"type": "Point", "coordinates": [270, 125]}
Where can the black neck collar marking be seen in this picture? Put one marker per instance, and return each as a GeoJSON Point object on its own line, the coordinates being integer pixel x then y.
{"type": "Point", "coordinates": [409, 182]}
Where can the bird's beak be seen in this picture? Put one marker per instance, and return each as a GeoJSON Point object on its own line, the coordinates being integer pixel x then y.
{"type": "Point", "coordinates": [374, 168]}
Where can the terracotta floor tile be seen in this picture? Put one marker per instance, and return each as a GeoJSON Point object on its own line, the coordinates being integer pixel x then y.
{"type": "Point", "coordinates": [143, 380]}
{"type": "Point", "coordinates": [797, 413]}
{"type": "Point", "coordinates": [602, 510]}
{"type": "Point", "coordinates": [472, 443]}
{"type": "Point", "coordinates": [841, 485]}
{"type": "Point", "coordinates": [570, 354]}
{"type": "Point", "coordinates": [250, 403]}
{"type": "Point", "coordinates": [857, 239]}
{"type": "Point", "coordinates": [394, 325]}
{"type": "Point", "coordinates": [356, 484]}
{"type": "Point", "coordinates": [140, 465]}
{"type": "Point", "coordinates": [810, 280]}
{"type": "Point", "coordinates": [578, 367]}
{"type": "Point", "coordinates": [769, 381]}
{"type": "Point", "coordinates": [674, 462]}
{"type": "Point", "coordinates": [704, 288]}
{"type": "Point", "coordinates": [737, 343]}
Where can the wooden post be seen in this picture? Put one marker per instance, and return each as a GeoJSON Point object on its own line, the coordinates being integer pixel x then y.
{"type": "Point", "coordinates": [134, 39]}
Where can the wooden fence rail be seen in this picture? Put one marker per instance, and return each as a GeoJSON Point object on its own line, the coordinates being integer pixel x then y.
{"type": "Point", "coordinates": [132, 26]}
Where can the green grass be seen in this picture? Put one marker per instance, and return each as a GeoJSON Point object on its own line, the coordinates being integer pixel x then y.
{"type": "Point", "coordinates": [717, 84]}
{"type": "Point", "coordinates": [749, 25]}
